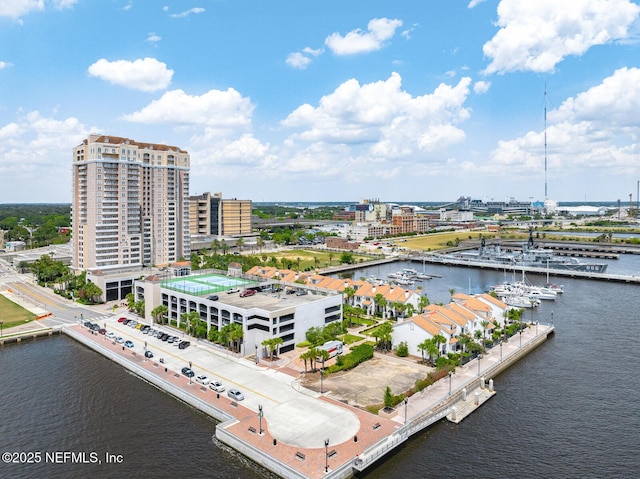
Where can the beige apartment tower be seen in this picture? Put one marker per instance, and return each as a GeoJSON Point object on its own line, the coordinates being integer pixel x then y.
{"type": "Point", "coordinates": [212, 215]}
{"type": "Point", "coordinates": [130, 204]}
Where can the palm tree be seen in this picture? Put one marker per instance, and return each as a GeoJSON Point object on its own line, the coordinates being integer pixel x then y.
{"type": "Point", "coordinates": [439, 339]}
{"type": "Point", "coordinates": [423, 302]}
{"type": "Point", "coordinates": [349, 292]}
{"type": "Point", "coordinates": [225, 247]}
{"type": "Point", "coordinates": [239, 243]}
{"type": "Point", "coordinates": [381, 304]}
{"type": "Point", "coordinates": [158, 312]}
{"type": "Point", "coordinates": [236, 336]}
{"type": "Point", "coordinates": [423, 346]}
{"type": "Point", "coordinates": [452, 292]}
{"type": "Point", "coordinates": [260, 243]}
{"type": "Point", "coordinates": [305, 356]}
{"type": "Point", "coordinates": [215, 246]}
{"type": "Point", "coordinates": [485, 324]}
{"type": "Point", "coordinates": [464, 340]}
{"type": "Point", "coordinates": [432, 348]}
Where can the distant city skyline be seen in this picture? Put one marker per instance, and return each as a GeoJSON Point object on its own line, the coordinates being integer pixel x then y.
{"type": "Point", "coordinates": [287, 102]}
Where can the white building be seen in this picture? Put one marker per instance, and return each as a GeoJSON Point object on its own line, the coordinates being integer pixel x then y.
{"type": "Point", "coordinates": [267, 314]}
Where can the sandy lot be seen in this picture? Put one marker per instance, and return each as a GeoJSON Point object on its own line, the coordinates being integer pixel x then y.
{"type": "Point", "coordinates": [365, 385]}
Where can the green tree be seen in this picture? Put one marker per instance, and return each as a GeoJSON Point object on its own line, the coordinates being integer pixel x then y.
{"type": "Point", "coordinates": [260, 244]}
{"type": "Point", "coordinates": [240, 243]}
{"type": "Point", "coordinates": [158, 313]}
{"type": "Point", "coordinates": [90, 292]}
{"type": "Point", "coordinates": [388, 398]}
{"type": "Point", "coordinates": [381, 304]}
{"type": "Point", "coordinates": [215, 246]}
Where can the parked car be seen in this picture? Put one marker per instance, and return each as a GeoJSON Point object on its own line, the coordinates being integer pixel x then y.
{"type": "Point", "coordinates": [202, 379]}
{"type": "Point", "coordinates": [122, 320]}
{"type": "Point", "coordinates": [128, 344]}
{"type": "Point", "coordinates": [216, 386]}
{"type": "Point", "coordinates": [148, 354]}
{"type": "Point", "coordinates": [247, 292]}
{"type": "Point", "coordinates": [164, 337]}
{"type": "Point", "coordinates": [111, 335]}
{"type": "Point", "coordinates": [184, 345]}
{"type": "Point", "coordinates": [233, 290]}
{"type": "Point", "coordinates": [235, 395]}
{"type": "Point", "coordinates": [301, 292]}
{"type": "Point", "coordinates": [102, 331]}
{"type": "Point", "coordinates": [119, 340]}
{"type": "Point", "coordinates": [126, 321]}
{"type": "Point", "coordinates": [213, 297]}
{"type": "Point", "coordinates": [188, 372]}
{"type": "Point", "coordinates": [139, 326]}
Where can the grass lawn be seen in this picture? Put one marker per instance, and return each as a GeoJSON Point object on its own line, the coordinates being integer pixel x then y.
{"type": "Point", "coordinates": [351, 338]}
{"type": "Point", "coordinates": [13, 314]}
{"type": "Point", "coordinates": [311, 259]}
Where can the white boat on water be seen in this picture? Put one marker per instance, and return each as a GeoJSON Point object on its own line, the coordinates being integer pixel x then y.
{"type": "Point", "coordinates": [520, 301]}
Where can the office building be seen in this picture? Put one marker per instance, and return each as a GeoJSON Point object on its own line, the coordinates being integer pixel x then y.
{"type": "Point", "coordinates": [212, 215]}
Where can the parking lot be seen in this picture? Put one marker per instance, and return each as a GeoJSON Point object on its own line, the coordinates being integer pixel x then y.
{"type": "Point", "coordinates": [294, 417]}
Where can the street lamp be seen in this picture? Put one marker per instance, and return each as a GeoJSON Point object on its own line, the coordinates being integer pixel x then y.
{"type": "Point", "coordinates": [500, 351]}
{"type": "Point", "coordinates": [406, 401]}
{"type": "Point", "coordinates": [326, 455]}
{"type": "Point", "coordinates": [191, 372]}
{"type": "Point", "coordinates": [450, 376]}
{"type": "Point", "coordinates": [321, 375]}
{"type": "Point", "coordinates": [257, 359]}
{"type": "Point", "coordinates": [260, 414]}
{"type": "Point", "coordinates": [479, 358]}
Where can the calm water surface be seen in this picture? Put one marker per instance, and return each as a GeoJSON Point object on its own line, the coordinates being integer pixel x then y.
{"type": "Point", "coordinates": [569, 409]}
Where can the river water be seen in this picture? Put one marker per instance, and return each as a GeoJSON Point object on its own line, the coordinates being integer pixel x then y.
{"type": "Point", "coordinates": [569, 409]}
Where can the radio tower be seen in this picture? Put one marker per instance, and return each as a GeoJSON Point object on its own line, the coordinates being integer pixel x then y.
{"type": "Point", "coordinates": [546, 197]}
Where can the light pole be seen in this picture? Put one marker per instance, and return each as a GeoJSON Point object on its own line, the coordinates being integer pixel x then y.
{"type": "Point", "coordinates": [479, 358]}
{"type": "Point", "coordinates": [257, 359]}
{"type": "Point", "coordinates": [406, 401]}
{"type": "Point", "coordinates": [450, 376]}
{"type": "Point", "coordinates": [500, 351]}
{"type": "Point", "coordinates": [191, 372]}
{"type": "Point", "coordinates": [321, 374]}
{"type": "Point", "coordinates": [326, 455]}
{"type": "Point", "coordinates": [260, 414]}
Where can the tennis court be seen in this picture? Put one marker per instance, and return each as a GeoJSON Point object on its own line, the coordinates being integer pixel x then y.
{"type": "Point", "coordinates": [205, 284]}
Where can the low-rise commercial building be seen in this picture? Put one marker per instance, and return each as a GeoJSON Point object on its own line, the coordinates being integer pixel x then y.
{"type": "Point", "coordinates": [268, 313]}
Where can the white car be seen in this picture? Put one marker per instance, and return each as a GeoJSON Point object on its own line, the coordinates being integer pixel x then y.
{"type": "Point", "coordinates": [216, 386]}
{"type": "Point", "coordinates": [202, 379]}
{"type": "Point", "coordinates": [111, 335]}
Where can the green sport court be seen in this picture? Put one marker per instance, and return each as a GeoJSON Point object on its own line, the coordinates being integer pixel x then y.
{"type": "Point", "coordinates": [206, 284]}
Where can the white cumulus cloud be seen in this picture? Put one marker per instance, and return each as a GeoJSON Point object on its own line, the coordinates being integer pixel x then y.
{"type": "Point", "coordinates": [186, 13]}
{"type": "Point", "coordinates": [357, 41]}
{"type": "Point", "coordinates": [597, 129]}
{"type": "Point", "coordinates": [537, 35]}
{"type": "Point", "coordinates": [19, 8]}
{"type": "Point", "coordinates": [35, 143]}
{"type": "Point", "coordinates": [298, 60]}
{"type": "Point", "coordinates": [146, 74]}
{"type": "Point", "coordinates": [225, 110]}
{"type": "Point", "coordinates": [379, 122]}
{"type": "Point", "coordinates": [481, 86]}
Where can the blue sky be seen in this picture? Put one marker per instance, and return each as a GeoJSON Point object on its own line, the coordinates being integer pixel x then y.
{"type": "Point", "coordinates": [330, 101]}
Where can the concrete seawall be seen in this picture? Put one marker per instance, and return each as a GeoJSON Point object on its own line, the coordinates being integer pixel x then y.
{"type": "Point", "coordinates": [375, 439]}
{"type": "Point", "coordinates": [154, 379]}
{"type": "Point", "coordinates": [29, 335]}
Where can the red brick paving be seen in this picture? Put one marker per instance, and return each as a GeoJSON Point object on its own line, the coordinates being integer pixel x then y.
{"type": "Point", "coordinates": [313, 465]}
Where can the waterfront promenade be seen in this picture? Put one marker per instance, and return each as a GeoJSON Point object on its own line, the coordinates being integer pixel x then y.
{"type": "Point", "coordinates": [297, 421]}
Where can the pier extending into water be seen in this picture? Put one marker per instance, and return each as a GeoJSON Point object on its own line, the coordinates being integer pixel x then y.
{"type": "Point", "coordinates": [376, 436]}
{"type": "Point", "coordinates": [438, 258]}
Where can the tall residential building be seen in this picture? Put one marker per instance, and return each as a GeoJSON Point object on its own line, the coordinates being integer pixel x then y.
{"type": "Point", "coordinates": [211, 215]}
{"type": "Point", "coordinates": [130, 203]}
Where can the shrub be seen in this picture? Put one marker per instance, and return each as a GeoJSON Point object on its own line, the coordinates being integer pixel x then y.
{"type": "Point", "coordinates": [357, 355]}
{"type": "Point", "coordinates": [402, 350]}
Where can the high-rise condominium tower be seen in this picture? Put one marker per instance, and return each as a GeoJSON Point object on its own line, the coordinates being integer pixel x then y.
{"type": "Point", "coordinates": [130, 203]}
